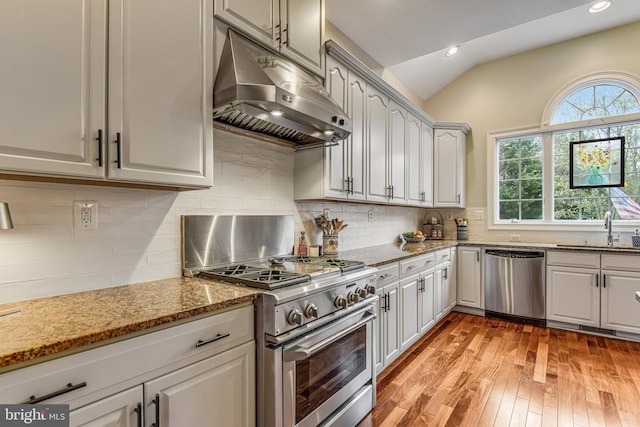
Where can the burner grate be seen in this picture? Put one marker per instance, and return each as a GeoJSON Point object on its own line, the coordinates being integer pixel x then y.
{"type": "Point", "coordinates": [234, 270]}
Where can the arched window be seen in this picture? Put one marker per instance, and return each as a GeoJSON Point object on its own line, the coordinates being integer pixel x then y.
{"type": "Point", "coordinates": [596, 101]}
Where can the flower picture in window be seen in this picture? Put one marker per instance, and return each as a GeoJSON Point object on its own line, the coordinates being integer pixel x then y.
{"type": "Point", "coordinates": [597, 163]}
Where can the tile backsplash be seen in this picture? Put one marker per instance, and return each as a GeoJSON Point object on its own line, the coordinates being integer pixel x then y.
{"type": "Point", "coordinates": [138, 235]}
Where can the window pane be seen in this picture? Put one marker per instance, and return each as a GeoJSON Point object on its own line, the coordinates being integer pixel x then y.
{"type": "Point", "coordinates": [509, 210]}
{"type": "Point", "coordinates": [596, 101]}
{"type": "Point", "coordinates": [520, 177]}
{"type": "Point", "coordinates": [566, 209]}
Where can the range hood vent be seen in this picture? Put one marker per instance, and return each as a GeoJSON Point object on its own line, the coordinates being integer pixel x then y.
{"type": "Point", "coordinates": [262, 94]}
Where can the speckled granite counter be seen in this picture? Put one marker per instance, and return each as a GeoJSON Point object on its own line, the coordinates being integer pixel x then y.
{"type": "Point", "coordinates": [376, 256]}
{"type": "Point", "coordinates": [47, 326]}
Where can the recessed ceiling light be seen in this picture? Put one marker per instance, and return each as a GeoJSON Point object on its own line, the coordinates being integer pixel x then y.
{"type": "Point", "coordinates": [452, 51]}
{"type": "Point", "coordinates": [276, 113]}
{"type": "Point", "coordinates": [599, 6]}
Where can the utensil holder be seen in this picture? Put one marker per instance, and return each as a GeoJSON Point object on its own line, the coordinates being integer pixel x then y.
{"type": "Point", "coordinates": [462, 232]}
{"type": "Point", "coordinates": [330, 244]}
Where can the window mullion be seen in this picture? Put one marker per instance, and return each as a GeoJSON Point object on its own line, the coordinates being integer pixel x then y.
{"type": "Point", "coordinates": [547, 177]}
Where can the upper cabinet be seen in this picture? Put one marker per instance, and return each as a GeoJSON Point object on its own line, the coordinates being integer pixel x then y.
{"type": "Point", "coordinates": [295, 28]}
{"type": "Point", "coordinates": [156, 90]}
{"type": "Point", "coordinates": [450, 165]}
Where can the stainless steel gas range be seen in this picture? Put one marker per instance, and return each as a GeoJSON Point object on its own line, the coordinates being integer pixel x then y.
{"type": "Point", "coordinates": [314, 318]}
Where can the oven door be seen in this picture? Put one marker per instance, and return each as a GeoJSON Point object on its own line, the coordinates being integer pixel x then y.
{"type": "Point", "coordinates": [327, 368]}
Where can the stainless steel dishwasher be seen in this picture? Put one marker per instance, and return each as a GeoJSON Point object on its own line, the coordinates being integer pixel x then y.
{"type": "Point", "coordinates": [514, 284]}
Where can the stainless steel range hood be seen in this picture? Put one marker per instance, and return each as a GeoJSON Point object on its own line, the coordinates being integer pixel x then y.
{"type": "Point", "coordinates": [261, 93]}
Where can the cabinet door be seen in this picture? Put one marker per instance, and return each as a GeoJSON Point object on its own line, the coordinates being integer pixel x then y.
{"type": "Point", "coordinates": [427, 301]}
{"type": "Point", "coordinates": [619, 308]}
{"type": "Point", "coordinates": [160, 92]}
{"type": "Point", "coordinates": [448, 287]}
{"type": "Point", "coordinates": [257, 18]}
{"type": "Point", "coordinates": [440, 294]}
{"type": "Point", "coordinates": [337, 156]}
{"type": "Point", "coordinates": [409, 327]}
{"type": "Point", "coordinates": [356, 110]}
{"type": "Point", "coordinates": [415, 194]}
{"type": "Point", "coordinates": [52, 86]}
{"type": "Point", "coordinates": [469, 277]}
{"type": "Point", "coordinates": [397, 152]}
{"type": "Point", "coordinates": [426, 164]}
{"type": "Point", "coordinates": [378, 330]}
{"type": "Point", "coordinates": [218, 391]}
{"type": "Point", "coordinates": [449, 161]}
{"type": "Point", "coordinates": [303, 32]}
{"type": "Point", "coordinates": [120, 410]}
{"type": "Point", "coordinates": [377, 105]}
{"type": "Point", "coordinates": [392, 325]}
{"type": "Point", "coordinates": [573, 295]}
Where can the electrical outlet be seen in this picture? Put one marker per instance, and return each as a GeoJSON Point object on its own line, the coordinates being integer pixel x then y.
{"type": "Point", "coordinates": [370, 215]}
{"type": "Point", "coordinates": [449, 215]}
{"type": "Point", "coordinates": [514, 237]}
{"type": "Point", "coordinates": [85, 215]}
{"type": "Point", "coordinates": [326, 212]}
{"type": "Point", "coordinates": [479, 215]}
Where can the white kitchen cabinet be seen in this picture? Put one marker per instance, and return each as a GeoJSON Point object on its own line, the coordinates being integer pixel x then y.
{"type": "Point", "coordinates": [410, 290]}
{"type": "Point", "coordinates": [337, 172]}
{"type": "Point", "coordinates": [387, 324]}
{"type": "Point", "coordinates": [426, 300]}
{"type": "Point", "coordinates": [445, 298]}
{"type": "Point", "coordinates": [295, 28]}
{"type": "Point", "coordinates": [377, 129]}
{"type": "Point", "coordinates": [419, 162]}
{"type": "Point", "coordinates": [426, 165]}
{"type": "Point", "coordinates": [120, 410]}
{"type": "Point", "coordinates": [156, 92]}
{"type": "Point", "coordinates": [218, 391]}
{"type": "Point", "coordinates": [396, 153]}
{"type": "Point", "coordinates": [573, 295]}
{"type": "Point", "coordinates": [469, 277]}
{"type": "Point", "coordinates": [449, 167]}
{"type": "Point", "coordinates": [592, 289]}
{"type": "Point", "coordinates": [214, 356]}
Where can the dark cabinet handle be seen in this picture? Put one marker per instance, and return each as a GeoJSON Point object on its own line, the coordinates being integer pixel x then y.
{"type": "Point", "coordinates": [597, 281]}
{"type": "Point", "coordinates": [99, 139]}
{"type": "Point", "coordinates": [156, 401]}
{"type": "Point", "coordinates": [118, 143]}
{"type": "Point", "coordinates": [604, 280]}
{"type": "Point", "coordinates": [69, 387]}
{"type": "Point", "coordinates": [446, 272]}
{"type": "Point", "coordinates": [138, 410]}
{"type": "Point", "coordinates": [218, 337]}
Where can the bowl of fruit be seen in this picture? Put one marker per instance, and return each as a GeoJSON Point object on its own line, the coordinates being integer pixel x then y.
{"type": "Point", "coordinates": [413, 236]}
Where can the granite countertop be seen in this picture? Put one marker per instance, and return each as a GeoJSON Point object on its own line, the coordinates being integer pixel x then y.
{"type": "Point", "coordinates": [55, 326]}
{"type": "Point", "coordinates": [379, 255]}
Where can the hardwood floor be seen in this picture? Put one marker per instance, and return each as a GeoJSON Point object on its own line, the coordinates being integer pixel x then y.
{"type": "Point", "coordinates": [476, 371]}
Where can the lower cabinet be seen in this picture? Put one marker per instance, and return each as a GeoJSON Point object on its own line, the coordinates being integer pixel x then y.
{"type": "Point", "coordinates": [469, 277]}
{"type": "Point", "coordinates": [120, 410]}
{"type": "Point", "coordinates": [426, 300]}
{"type": "Point", "coordinates": [410, 288]}
{"type": "Point", "coordinates": [592, 289]}
{"type": "Point", "coordinates": [218, 391]}
{"type": "Point", "coordinates": [387, 323]}
{"type": "Point", "coordinates": [198, 373]}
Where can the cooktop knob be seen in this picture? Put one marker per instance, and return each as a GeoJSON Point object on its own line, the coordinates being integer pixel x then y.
{"type": "Point", "coordinates": [294, 317]}
{"type": "Point", "coordinates": [353, 297]}
{"type": "Point", "coordinates": [371, 289]}
{"type": "Point", "coordinates": [311, 311]}
{"type": "Point", "coordinates": [340, 302]}
{"type": "Point", "coordinates": [362, 293]}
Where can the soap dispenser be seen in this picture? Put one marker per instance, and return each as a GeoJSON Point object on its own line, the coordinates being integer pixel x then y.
{"type": "Point", "coordinates": [302, 244]}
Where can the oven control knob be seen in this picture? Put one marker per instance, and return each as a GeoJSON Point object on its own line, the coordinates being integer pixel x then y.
{"type": "Point", "coordinates": [294, 317]}
{"type": "Point", "coordinates": [340, 302]}
{"type": "Point", "coordinates": [311, 311]}
{"type": "Point", "coordinates": [371, 289]}
{"type": "Point", "coordinates": [362, 293]}
{"type": "Point", "coordinates": [353, 297]}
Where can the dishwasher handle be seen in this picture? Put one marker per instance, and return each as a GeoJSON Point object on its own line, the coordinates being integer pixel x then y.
{"type": "Point", "coordinates": [514, 254]}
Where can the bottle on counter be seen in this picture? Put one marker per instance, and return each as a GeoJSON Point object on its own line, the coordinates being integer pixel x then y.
{"type": "Point", "coordinates": [302, 244]}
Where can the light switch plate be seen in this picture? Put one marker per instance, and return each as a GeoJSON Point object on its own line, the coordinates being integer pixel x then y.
{"type": "Point", "coordinates": [85, 215]}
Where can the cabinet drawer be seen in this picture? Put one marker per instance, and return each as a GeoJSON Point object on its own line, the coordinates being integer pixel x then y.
{"type": "Point", "coordinates": [416, 264]}
{"type": "Point", "coordinates": [111, 368]}
{"type": "Point", "coordinates": [387, 274]}
{"type": "Point", "coordinates": [573, 259]}
{"type": "Point", "coordinates": [443, 255]}
{"type": "Point", "coordinates": [621, 262]}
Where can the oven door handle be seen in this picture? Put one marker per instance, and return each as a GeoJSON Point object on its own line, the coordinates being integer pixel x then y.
{"type": "Point", "coordinates": [298, 353]}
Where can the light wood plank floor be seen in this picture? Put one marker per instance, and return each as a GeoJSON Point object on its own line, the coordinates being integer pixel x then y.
{"type": "Point", "coordinates": [476, 371]}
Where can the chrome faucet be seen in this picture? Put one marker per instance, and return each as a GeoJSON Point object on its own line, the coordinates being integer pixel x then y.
{"type": "Point", "coordinates": [608, 225]}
